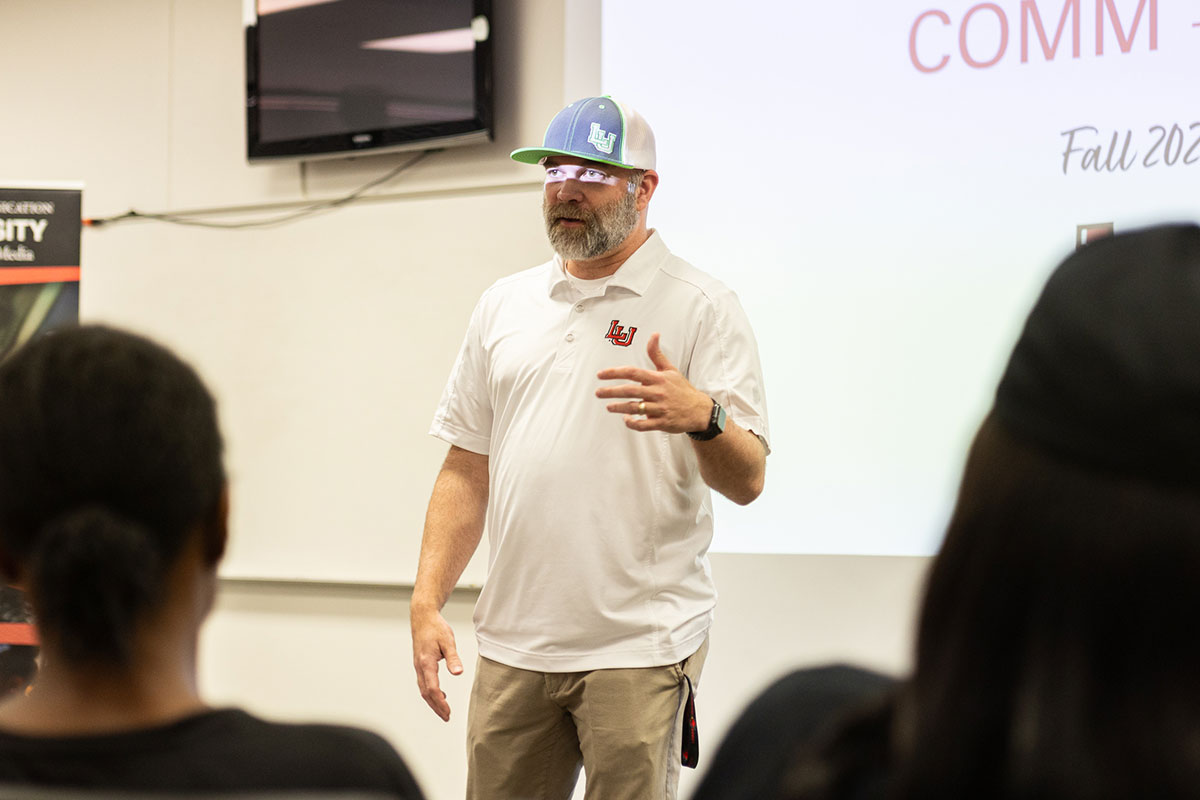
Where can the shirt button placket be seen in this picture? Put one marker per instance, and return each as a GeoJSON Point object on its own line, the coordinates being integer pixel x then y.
{"type": "Point", "coordinates": [578, 310]}
{"type": "Point", "coordinates": [566, 350]}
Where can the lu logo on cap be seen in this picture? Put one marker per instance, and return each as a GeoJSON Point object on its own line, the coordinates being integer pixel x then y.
{"type": "Point", "coordinates": [601, 139]}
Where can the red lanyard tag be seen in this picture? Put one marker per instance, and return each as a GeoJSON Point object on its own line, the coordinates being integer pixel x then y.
{"type": "Point", "coordinates": [689, 750]}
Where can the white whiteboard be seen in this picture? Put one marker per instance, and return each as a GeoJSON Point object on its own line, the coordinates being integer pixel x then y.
{"type": "Point", "coordinates": [888, 227]}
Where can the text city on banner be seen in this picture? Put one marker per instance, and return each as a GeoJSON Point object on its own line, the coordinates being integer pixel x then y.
{"type": "Point", "coordinates": [39, 260]}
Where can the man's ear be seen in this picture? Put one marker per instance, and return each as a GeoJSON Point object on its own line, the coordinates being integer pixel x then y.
{"type": "Point", "coordinates": [645, 189]}
{"type": "Point", "coordinates": [216, 533]}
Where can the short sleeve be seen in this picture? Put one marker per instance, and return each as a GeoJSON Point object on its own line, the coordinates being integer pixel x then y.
{"type": "Point", "coordinates": [464, 414]}
{"type": "Point", "coordinates": [725, 363]}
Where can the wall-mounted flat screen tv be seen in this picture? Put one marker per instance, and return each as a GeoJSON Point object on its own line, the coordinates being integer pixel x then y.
{"type": "Point", "coordinates": [337, 77]}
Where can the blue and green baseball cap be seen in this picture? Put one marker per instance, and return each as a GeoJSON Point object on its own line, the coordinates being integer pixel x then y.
{"type": "Point", "coordinates": [598, 129]}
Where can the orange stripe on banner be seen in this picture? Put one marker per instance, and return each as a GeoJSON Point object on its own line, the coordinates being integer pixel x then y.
{"type": "Point", "coordinates": [17, 633]}
{"type": "Point", "coordinates": [14, 275]}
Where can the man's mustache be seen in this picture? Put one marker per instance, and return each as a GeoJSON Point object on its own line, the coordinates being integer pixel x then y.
{"type": "Point", "coordinates": [555, 213]}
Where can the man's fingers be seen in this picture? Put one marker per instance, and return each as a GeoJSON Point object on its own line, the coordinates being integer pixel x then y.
{"type": "Point", "coordinates": [437, 701]}
{"type": "Point", "coordinates": [453, 662]}
{"type": "Point", "coordinates": [637, 423]}
{"type": "Point", "coordinates": [431, 691]}
{"type": "Point", "coordinates": [661, 362]}
{"type": "Point", "coordinates": [433, 640]}
{"type": "Point", "coordinates": [643, 376]}
{"type": "Point", "coordinates": [427, 680]}
{"type": "Point", "coordinates": [627, 373]}
{"type": "Point", "coordinates": [624, 391]}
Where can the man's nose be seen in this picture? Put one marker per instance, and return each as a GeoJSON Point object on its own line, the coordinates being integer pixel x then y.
{"type": "Point", "coordinates": [569, 189]}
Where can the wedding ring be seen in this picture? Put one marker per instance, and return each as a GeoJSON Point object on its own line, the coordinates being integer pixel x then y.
{"type": "Point", "coordinates": [642, 407]}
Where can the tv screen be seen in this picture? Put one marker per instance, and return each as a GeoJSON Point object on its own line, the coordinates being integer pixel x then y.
{"type": "Point", "coordinates": [336, 77]}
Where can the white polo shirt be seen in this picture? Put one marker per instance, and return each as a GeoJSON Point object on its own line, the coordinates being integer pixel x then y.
{"type": "Point", "coordinates": [598, 534]}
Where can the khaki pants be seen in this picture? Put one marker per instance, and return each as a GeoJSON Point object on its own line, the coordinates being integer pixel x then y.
{"type": "Point", "coordinates": [528, 733]}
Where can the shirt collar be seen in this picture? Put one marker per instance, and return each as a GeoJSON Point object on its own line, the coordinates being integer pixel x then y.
{"type": "Point", "coordinates": [635, 274]}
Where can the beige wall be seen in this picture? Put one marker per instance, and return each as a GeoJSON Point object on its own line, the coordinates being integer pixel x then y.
{"type": "Point", "coordinates": [327, 343]}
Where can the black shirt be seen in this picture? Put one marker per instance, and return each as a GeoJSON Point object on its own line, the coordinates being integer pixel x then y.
{"type": "Point", "coordinates": [224, 750]}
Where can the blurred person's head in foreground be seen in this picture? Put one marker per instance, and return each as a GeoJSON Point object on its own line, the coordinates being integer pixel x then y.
{"type": "Point", "coordinates": [112, 517]}
{"type": "Point", "coordinates": [1057, 654]}
{"type": "Point", "coordinates": [113, 510]}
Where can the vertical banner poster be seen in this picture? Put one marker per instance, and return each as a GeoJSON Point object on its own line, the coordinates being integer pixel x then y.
{"type": "Point", "coordinates": [39, 291]}
{"type": "Point", "coordinates": [18, 643]}
{"type": "Point", "coordinates": [39, 260]}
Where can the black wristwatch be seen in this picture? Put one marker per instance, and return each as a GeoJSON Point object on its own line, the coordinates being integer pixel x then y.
{"type": "Point", "coordinates": [716, 425]}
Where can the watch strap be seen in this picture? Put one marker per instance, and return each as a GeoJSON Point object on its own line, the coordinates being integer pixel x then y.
{"type": "Point", "coordinates": [716, 425]}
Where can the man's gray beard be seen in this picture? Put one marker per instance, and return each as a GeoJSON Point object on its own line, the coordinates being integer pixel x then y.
{"type": "Point", "coordinates": [603, 230]}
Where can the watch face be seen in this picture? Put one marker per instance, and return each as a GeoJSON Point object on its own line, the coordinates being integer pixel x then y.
{"type": "Point", "coordinates": [716, 424]}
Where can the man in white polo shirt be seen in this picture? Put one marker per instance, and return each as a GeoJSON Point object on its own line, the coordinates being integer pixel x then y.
{"type": "Point", "coordinates": [594, 402]}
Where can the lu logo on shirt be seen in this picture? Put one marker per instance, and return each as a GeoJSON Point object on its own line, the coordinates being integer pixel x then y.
{"type": "Point", "coordinates": [618, 335]}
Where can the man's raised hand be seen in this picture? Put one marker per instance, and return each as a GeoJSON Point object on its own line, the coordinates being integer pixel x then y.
{"type": "Point", "coordinates": [655, 400]}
